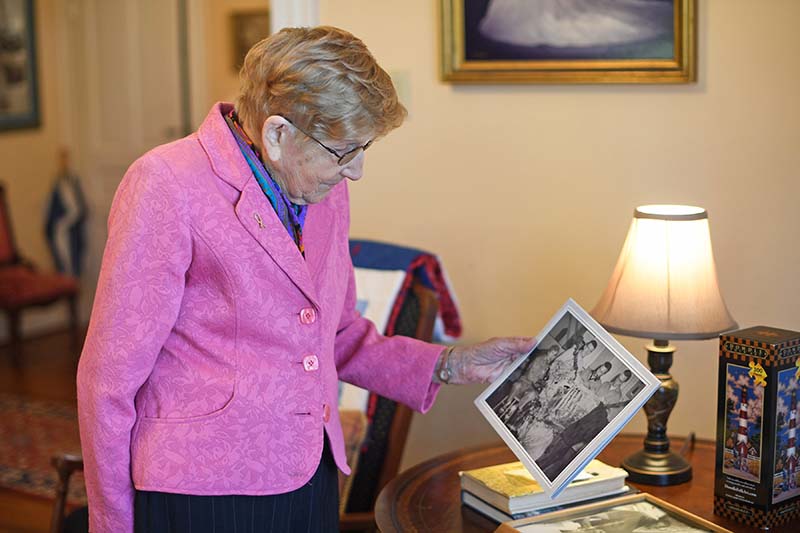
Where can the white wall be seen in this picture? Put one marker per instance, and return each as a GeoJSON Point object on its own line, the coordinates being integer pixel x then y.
{"type": "Point", "coordinates": [526, 192]}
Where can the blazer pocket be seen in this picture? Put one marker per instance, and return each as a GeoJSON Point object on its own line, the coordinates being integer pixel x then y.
{"type": "Point", "coordinates": [199, 418]}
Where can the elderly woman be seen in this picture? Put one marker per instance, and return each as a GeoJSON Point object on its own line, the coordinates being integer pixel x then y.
{"type": "Point", "coordinates": [225, 309]}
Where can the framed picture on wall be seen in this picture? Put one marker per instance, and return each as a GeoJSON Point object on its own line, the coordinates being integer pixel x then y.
{"type": "Point", "coordinates": [557, 407]}
{"type": "Point", "coordinates": [568, 41]}
{"type": "Point", "coordinates": [247, 27]}
{"type": "Point", "coordinates": [19, 98]}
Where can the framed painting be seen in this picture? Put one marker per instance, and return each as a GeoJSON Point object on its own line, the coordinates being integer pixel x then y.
{"type": "Point", "coordinates": [19, 98]}
{"type": "Point", "coordinates": [557, 407]}
{"type": "Point", "coordinates": [568, 41]}
{"type": "Point", "coordinates": [248, 28]}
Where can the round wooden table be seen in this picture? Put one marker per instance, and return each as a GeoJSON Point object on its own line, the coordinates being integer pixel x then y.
{"type": "Point", "coordinates": [427, 497]}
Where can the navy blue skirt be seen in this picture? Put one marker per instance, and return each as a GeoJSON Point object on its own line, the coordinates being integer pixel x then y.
{"type": "Point", "coordinates": [314, 507]}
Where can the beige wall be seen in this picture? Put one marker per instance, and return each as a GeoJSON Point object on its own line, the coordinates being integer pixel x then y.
{"type": "Point", "coordinates": [28, 157]}
{"type": "Point", "coordinates": [526, 192]}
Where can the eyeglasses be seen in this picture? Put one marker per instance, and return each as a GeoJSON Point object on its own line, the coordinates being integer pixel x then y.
{"type": "Point", "coordinates": [342, 159]}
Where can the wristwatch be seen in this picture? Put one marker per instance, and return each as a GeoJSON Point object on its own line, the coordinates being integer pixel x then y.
{"type": "Point", "coordinates": [445, 374]}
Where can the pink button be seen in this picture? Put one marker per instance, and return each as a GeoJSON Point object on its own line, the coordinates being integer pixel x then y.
{"type": "Point", "coordinates": [326, 413]}
{"type": "Point", "coordinates": [308, 315]}
{"type": "Point", "coordinates": [310, 363]}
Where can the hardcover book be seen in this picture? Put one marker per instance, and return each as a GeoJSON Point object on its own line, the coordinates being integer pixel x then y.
{"type": "Point", "coordinates": [512, 489]}
{"type": "Point", "coordinates": [493, 513]}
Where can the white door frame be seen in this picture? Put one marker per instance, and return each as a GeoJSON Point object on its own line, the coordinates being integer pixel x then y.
{"type": "Point", "coordinates": [292, 13]}
{"type": "Point", "coordinates": [71, 91]}
{"type": "Point", "coordinates": [77, 80]}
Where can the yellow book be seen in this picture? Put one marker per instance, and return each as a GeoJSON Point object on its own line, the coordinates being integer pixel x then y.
{"type": "Point", "coordinates": [511, 488]}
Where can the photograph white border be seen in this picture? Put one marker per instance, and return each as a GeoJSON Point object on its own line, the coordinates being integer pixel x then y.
{"type": "Point", "coordinates": [526, 524]}
{"type": "Point", "coordinates": [596, 445]}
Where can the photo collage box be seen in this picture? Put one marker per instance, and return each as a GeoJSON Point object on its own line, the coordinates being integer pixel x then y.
{"type": "Point", "coordinates": [758, 461]}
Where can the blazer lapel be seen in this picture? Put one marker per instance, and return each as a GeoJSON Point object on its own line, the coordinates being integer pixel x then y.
{"type": "Point", "coordinates": [257, 216]}
{"type": "Point", "coordinates": [261, 221]}
{"type": "Point", "coordinates": [318, 234]}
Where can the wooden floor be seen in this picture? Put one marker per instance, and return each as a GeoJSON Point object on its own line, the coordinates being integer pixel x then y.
{"type": "Point", "coordinates": [46, 371]}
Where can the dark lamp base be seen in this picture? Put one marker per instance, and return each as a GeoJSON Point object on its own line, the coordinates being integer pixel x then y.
{"type": "Point", "coordinates": [652, 468]}
{"type": "Point", "coordinates": [655, 464]}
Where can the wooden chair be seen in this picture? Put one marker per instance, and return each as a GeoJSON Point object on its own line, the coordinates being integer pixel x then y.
{"type": "Point", "coordinates": [388, 430]}
{"type": "Point", "coordinates": [376, 467]}
{"type": "Point", "coordinates": [22, 286]}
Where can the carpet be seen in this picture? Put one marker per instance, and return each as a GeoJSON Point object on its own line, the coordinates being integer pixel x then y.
{"type": "Point", "coordinates": [31, 433]}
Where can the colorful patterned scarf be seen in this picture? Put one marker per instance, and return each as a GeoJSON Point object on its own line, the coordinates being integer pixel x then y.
{"type": "Point", "coordinates": [292, 216]}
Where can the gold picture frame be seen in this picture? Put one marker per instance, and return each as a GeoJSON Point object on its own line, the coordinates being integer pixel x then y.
{"type": "Point", "coordinates": [19, 88]}
{"type": "Point", "coordinates": [617, 512]}
{"type": "Point", "coordinates": [472, 53]}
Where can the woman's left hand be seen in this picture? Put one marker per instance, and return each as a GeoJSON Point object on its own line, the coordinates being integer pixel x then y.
{"type": "Point", "coordinates": [485, 361]}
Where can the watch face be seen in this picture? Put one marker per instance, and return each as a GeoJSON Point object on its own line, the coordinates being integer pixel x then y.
{"type": "Point", "coordinates": [444, 374]}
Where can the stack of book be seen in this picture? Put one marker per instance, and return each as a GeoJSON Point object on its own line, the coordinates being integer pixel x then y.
{"type": "Point", "coordinates": [508, 492]}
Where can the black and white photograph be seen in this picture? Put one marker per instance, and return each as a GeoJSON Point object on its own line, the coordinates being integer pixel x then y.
{"type": "Point", "coordinates": [568, 397]}
{"type": "Point", "coordinates": [19, 106]}
{"type": "Point", "coordinates": [640, 517]}
{"type": "Point", "coordinates": [635, 513]}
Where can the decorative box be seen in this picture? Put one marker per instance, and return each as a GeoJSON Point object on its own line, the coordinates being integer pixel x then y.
{"type": "Point", "coordinates": [757, 469]}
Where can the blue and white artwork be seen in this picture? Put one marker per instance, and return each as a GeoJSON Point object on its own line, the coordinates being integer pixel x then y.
{"type": "Point", "coordinates": [569, 29]}
{"type": "Point", "coordinates": [785, 477]}
{"type": "Point", "coordinates": [743, 416]}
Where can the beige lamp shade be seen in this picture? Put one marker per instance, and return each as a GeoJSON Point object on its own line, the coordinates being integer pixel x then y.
{"type": "Point", "coordinates": [665, 283]}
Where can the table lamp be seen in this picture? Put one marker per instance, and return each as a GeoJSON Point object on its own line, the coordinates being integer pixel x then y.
{"type": "Point", "coordinates": [664, 287]}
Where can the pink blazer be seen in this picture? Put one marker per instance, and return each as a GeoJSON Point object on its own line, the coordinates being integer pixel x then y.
{"type": "Point", "coordinates": [214, 349]}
